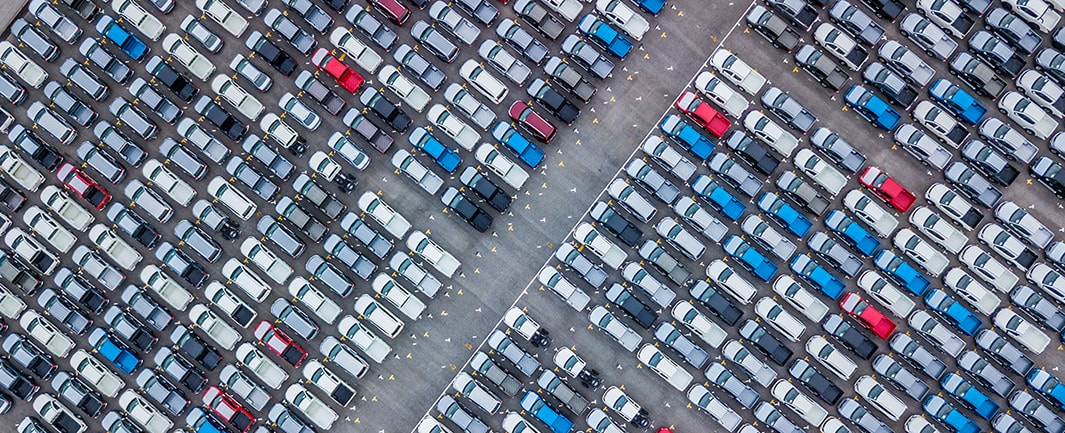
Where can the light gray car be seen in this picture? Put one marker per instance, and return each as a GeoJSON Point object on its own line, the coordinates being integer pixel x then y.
{"type": "Point", "coordinates": [506, 347]}
{"type": "Point", "coordinates": [931, 38]}
{"type": "Point", "coordinates": [280, 236]}
{"type": "Point", "coordinates": [900, 58]}
{"type": "Point", "coordinates": [860, 416]}
{"type": "Point", "coordinates": [588, 270]}
{"type": "Point", "coordinates": [899, 376]}
{"type": "Point", "coordinates": [453, 22]}
{"type": "Point", "coordinates": [527, 44]}
{"type": "Point", "coordinates": [718, 374]}
{"type": "Point", "coordinates": [133, 118]}
{"type": "Point", "coordinates": [586, 55]}
{"type": "Point", "coordinates": [1019, 221]}
{"type": "Point", "coordinates": [198, 241]}
{"type": "Point", "coordinates": [103, 59]}
{"type": "Point", "coordinates": [985, 373]}
{"type": "Point", "coordinates": [146, 307]}
{"type": "Point", "coordinates": [975, 185]}
{"type": "Point", "coordinates": [735, 174]}
{"type": "Point", "coordinates": [435, 41]}
{"type": "Point", "coordinates": [921, 146]}
{"type": "Point", "coordinates": [162, 391]}
{"type": "Point", "coordinates": [149, 97]}
{"type": "Point", "coordinates": [178, 155]}
{"type": "Point", "coordinates": [1007, 139]}
{"type": "Point", "coordinates": [239, 384]}
{"type": "Point", "coordinates": [917, 355]}
{"type": "Point", "coordinates": [418, 66]}
{"type": "Point", "coordinates": [101, 162]}
{"type": "Point", "coordinates": [458, 414]}
{"type": "Point", "coordinates": [938, 334]}
{"type": "Point", "coordinates": [837, 149]}
{"type": "Point", "coordinates": [688, 350]}
{"type": "Point", "coordinates": [651, 179]}
{"type": "Point", "coordinates": [295, 319]}
{"type": "Point", "coordinates": [80, 76]}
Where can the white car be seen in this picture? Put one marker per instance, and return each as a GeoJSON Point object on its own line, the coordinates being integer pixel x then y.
{"type": "Point", "coordinates": [278, 130]}
{"type": "Point", "coordinates": [256, 362]}
{"type": "Point", "coordinates": [411, 167]}
{"type": "Point", "coordinates": [222, 298]}
{"type": "Point", "coordinates": [713, 406]}
{"type": "Point", "coordinates": [570, 293]}
{"type": "Point", "coordinates": [420, 244]}
{"type": "Point", "coordinates": [234, 200]}
{"type": "Point", "coordinates": [475, 392]}
{"type": "Point", "coordinates": [453, 127]}
{"type": "Point", "coordinates": [391, 291]}
{"type": "Point", "coordinates": [46, 333]}
{"type": "Point", "coordinates": [168, 182]}
{"type": "Point", "coordinates": [568, 9]}
{"type": "Point", "coordinates": [624, 405]}
{"type": "Point", "coordinates": [93, 372]}
{"type": "Point", "coordinates": [799, 402]}
{"type": "Point", "coordinates": [328, 382]}
{"type": "Point", "coordinates": [1020, 329]}
{"type": "Point", "coordinates": [314, 299]}
{"type": "Point", "coordinates": [200, 66]}
{"type": "Point", "coordinates": [825, 353]}
{"type": "Point", "coordinates": [737, 71]}
{"type": "Point", "coordinates": [953, 205]}
{"type": "Point", "coordinates": [511, 173]}
{"type": "Point", "coordinates": [724, 277]}
{"type": "Point", "coordinates": [1048, 280]}
{"type": "Point", "coordinates": [1028, 115]}
{"type": "Point", "coordinates": [938, 229]}
{"type": "Point", "coordinates": [347, 149]}
{"type": "Point", "coordinates": [886, 293]}
{"type": "Point", "coordinates": [1043, 90]}
{"type": "Point", "coordinates": [967, 288]}
{"type": "Point", "coordinates": [716, 90]}
{"type": "Point", "coordinates": [1038, 12]}
{"type": "Point", "coordinates": [623, 334]}
{"type": "Point", "coordinates": [10, 305]}
{"type": "Point", "coordinates": [431, 425]}
{"type": "Point", "coordinates": [512, 423]}
{"type": "Point", "coordinates": [937, 120]}
{"type": "Point", "coordinates": [479, 78]}
{"type": "Point", "coordinates": [355, 49]}
{"type": "Point", "coordinates": [213, 326]}
{"type": "Point", "coordinates": [239, 275]}
{"type": "Point", "coordinates": [15, 61]}
{"type": "Point", "coordinates": [879, 397]}
{"type": "Point", "coordinates": [20, 170]}
{"type": "Point", "coordinates": [607, 251]}
{"type": "Point", "coordinates": [168, 289]}
{"type": "Point", "coordinates": [404, 87]}
{"type": "Point", "coordinates": [700, 324]}
{"type": "Point", "coordinates": [936, 333]}
{"type": "Point", "coordinates": [373, 346]}
{"type": "Point", "coordinates": [134, 14]}
{"type": "Point", "coordinates": [820, 171]}
{"type": "Point", "coordinates": [224, 15]}
{"type": "Point", "coordinates": [871, 213]}
{"type": "Point", "coordinates": [265, 260]}
{"type": "Point", "coordinates": [57, 414]}
{"type": "Point", "coordinates": [244, 102]}
{"type": "Point", "coordinates": [620, 14]}
{"type": "Point", "coordinates": [770, 133]}
{"type": "Point", "coordinates": [301, 113]}
{"type": "Point", "coordinates": [378, 315]}
{"type": "Point", "coordinates": [736, 352]}
{"type": "Point", "coordinates": [653, 358]}
{"type": "Point", "coordinates": [778, 318]}
{"type": "Point", "coordinates": [798, 297]}
{"type": "Point", "coordinates": [120, 252]}
{"type": "Point", "coordinates": [381, 212]}
{"type": "Point", "coordinates": [47, 228]}
{"type": "Point", "coordinates": [311, 406]}
{"type": "Point", "coordinates": [841, 45]}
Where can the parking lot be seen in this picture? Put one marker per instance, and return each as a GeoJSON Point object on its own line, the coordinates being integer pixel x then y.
{"type": "Point", "coordinates": [499, 268]}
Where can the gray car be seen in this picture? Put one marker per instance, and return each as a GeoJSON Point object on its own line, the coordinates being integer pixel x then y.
{"type": "Point", "coordinates": [262, 152]}
{"type": "Point", "coordinates": [202, 140]}
{"type": "Point", "coordinates": [788, 109]}
{"type": "Point", "coordinates": [100, 161]}
{"type": "Point", "coordinates": [1018, 220]}
{"type": "Point", "coordinates": [370, 238]}
{"type": "Point", "coordinates": [996, 52]}
{"type": "Point", "coordinates": [774, 419]}
{"type": "Point", "coordinates": [1003, 351]}
{"type": "Point", "coordinates": [588, 270]}
{"type": "Point", "coordinates": [149, 97]}
{"type": "Point", "coordinates": [1050, 60]}
{"type": "Point", "coordinates": [923, 147]}
{"type": "Point", "coordinates": [665, 263]}
{"type": "Point", "coordinates": [249, 176]}
{"type": "Point", "coordinates": [978, 74]}
{"type": "Point", "coordinates": [28, 356]}
{"type": "Point", "coordinates": [506, 347]}
{"type": "Point", "coordinates": [718, 374]}
{"type": "Point", "coordinates": [1012, 143]}
{"type": "Point", "coordinates": [285, 420]}
{"type": "Point", "coordinates": [989, 162]}
{"type": "Point", "coordinates": [435, 41]}
{"type": "Point", "coordinates": [461, 416]}
{"type": "Point", "coordinates": [63, 310]}
{"type": "Point", "coordinates": [133, 118]}
{"type": "Point", "coordinates": [55, 21]}
{"type": "Point", "coordinates": [482, 10]}
{"type": "Point", "coordinates": [1013, 29]}
{"type": "Point", "coordinates": [78, 394]}
{"type": "Point", "coordinates": [162, 391]}
{"type": "Point", "coordinates": [132, 224]}
{"type": "Point", "coordinates": [418, 66]}
{"type": "Point", "coordinates": [1036, 412]}
{"type": "Point", "coordinates": [891, 83]}
{"type": "Point", "coordinates": [537, 16]}
{"type": "Point", "coordinates": [651, 179]}
{"type": "Point", "coordinates": [299, 217]}
{"type": "Point", "coordinates": [201, 33]}
{"type": "Point", "coordinates": [917, 355]}
{"type": "Point", "coordinates": [587, 56]}
{"type": "Point", "coordinates": [300, 39]}
{"type": "Point", "coordinates": [853, 20]}
{"type": "Point", "coordinates": [569, 78]}
{"type": "Point", "coordinates": [342, 356]}
{"type": "Point", "coordinates": [834, 253]}
{"type": "Point", "coordinates": [370, 26]}
{"type": "Point", "coordinates": [854, 412]}
{"type": "Point", "coordinates": [103, 59]}
{"type": "Point", "coordinates": [24, 32]}
{"type": "Point", "coordinates": [900, 58]}
{"type": "Point", "coordinates": [899, 376]}
{"type": "Point", "coordinates": [527, 44]}
{"type": "Point", "coordinates": [318, 18]}
{"type": "Point", "coordinates": [504, 381]}
{"type": "Point", "coordinates": [688, 350]}
{"type": "Point", "coordinates": [931, 38]}
{"type": "Point", "coordinates": [734, 174]}
{"type": "Point", "coordinates": [349, 257]}
{"type": "Point", "coordinates": [975, 185]}
{"type": "Point", "coordinates": [1040, 308]}
{"type": "Point", "coordinates": [453, 22]}
{"type": "Point", "coordinates": [11, 89]}
{"type": "Point", "coordinates": [147, 308]}
{"type": "Point", "coordinates": [329, 276]}
{"type": "Point", "coordinates": [837, 149]}
{"type": "Point", "coordinates": [986, 373]}
{"type": "Point", "coordinates": [198, 241]}
{"type": "Point", "coordinates": [181, 264]}
{"type": "Point", "coordinates": [804, 193]}
{"type": "Point", "coordinates": [295, 319]}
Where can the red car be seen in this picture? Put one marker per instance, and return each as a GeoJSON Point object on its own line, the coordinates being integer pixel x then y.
{"type": "Point", "coordinates": [532, 121]}
{"type": "Point", "coordinates": [872, 318]}
{"type": "Point", "coordinates": [280, 343]}
{"type": "Point", "coordinates": [393, 10]}
{"type": "Point", "coordinates": [690, 104]}
{"type": "Point", "coordinates": [227, 409]}
{"type": "Point", "coordinates": [887, 188]}
{"type": "Point", "coordinates": [84, 187]}
{"type": "Point", "coordinates": [345, 76]}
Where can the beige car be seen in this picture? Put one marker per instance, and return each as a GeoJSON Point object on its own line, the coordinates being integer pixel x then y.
{"type": "Point", "coordinates": [240, 276]}
{"type": "Point", "coordinates": [234, 200]}
{"type": "Point", "coordinates": [120, 252]}
{"type": "Point", "coordinates": [356, 50]}
{"type": "Point", "coordinates": [141, 411]}
{"type": "Point", "coordinates": [10, 305]}
{"type": "Point", "coordinates": [46, 333]}
{"type": "Point", "coordinates": [434, 254]}
{"type": "Point", "coordinates": [404, 87]}
{"type": "Point", "coordinates": [231, 92]}
{"type": "Point", "coordinates": [51, 411]}
{"type": "Point", "coordinates": [314, 299]}
{"type": "Point", "coordinates": [165, 179]}
{"type": "Point", "coordinates": [256, 362]}
{"type": "Point", "coordinates": [214, 327]}
{"type": "Point", "coordinates": [266, 260]}
{"type": "Point", "coordinates": [20, 170]}
{"type": "Point", "coordinates": [17, 62]}
{"type": "Point", "coordinates": [311, 406]}
{"type": "Point", "coordinates": [219, 11]}
{"type": "Point", "coordinates": [47, 228]}
{"type": "Point", "coordinates": [70, 212]}
{"type": "Point", "coordinates": [199, 65]}
{"type": "Point", "coordinates": [164, 286]}
{"type": "Point", "coordinates": [93, 372]}
{"type": "Point", "coordinates": [479, 78]}
{"type": "Point", "coordinates": [143, 21]}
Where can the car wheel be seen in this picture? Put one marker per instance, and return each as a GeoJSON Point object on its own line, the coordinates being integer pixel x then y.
{"type": "Point", "coordinates": [1001, 111]}
{"type": "Point", "coordinates": [904, 33]}
{"type": "Point", "coordinates": [1029, 131]}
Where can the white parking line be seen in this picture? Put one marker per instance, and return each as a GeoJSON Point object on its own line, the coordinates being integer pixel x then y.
{"type": "Point", "coordinates": [584, 215]}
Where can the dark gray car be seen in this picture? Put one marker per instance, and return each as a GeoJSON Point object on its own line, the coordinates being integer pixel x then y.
{"type": "Point", "coordinates": [78, 394]}
{"type": "Point", "coordinates": [788, 109]}
{"type": "Point", "coordinates": [537, 16]}
{"type": "Point", "coordinates": [891, 83]}
{"type": "Point", "coordinates": [826, 71]}
{"type": "Point", "coordinates": [837, 149]}
{"type": "Point", "coordinates": [300, 39]}
{"type": "Point", "coordinates": [482, 10]}
{"type": "Point", "coordinates": [976, 186]}
{"type": "Point", "coordinates": [155, 101]}
{"type": "Point", "coordinates": [280, 236]}
{"type": "Point", "coordinates": [1003, 351]}
{"type": "Point", "coordinates": [262, 152]}
{"type": "Point", "coordinates": [988, 161]}
{"type": "Point", "coordinates": [977, 74]}
{"type": "Point", "coordinates": [147, 308]}
{"type": "Point", "coordinates": [349, 257]}
{"type": "Point", "coordinates": [162, 391]}
{"type": "Point", "coordinates": [1040, 308]}
{"type": "Point", "coordinates": [997, 53]}
{"type": "Point", "coordinates": [688, 350]}
{"type": "Point", "coordinates": [11, 90]}
{"type": "Point", "coordinates": [569, 78]}
{"type": "Point", "coordinates": [249, 176]}
{"type": "Point", "coordinates": [129, 222]}
{"type": "Point", "coordinates": [802, 192]}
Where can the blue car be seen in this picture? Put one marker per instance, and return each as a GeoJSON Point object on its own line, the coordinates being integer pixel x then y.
{"type": "Point", "coordinates": [817, 275]}
{"type": "Point", "coordinates": [126, 41]}
{"type": "Point", "coordinates": [679, 130]}
{"type": "Point", "coordinates": [951, 417]}
{"type": "Point", "coordinates": [604, 35]}
{"type": "Point", "coordinates": [554, 419]}
{"type": "Point", "coordinates": [1047, 384]}
{"type": "Point", "coordinates": [202, 422]}
{"type": "Point", "coordinates": [720, 199]}
{"type": "Point", "coordinates": [527, 151]}
{"type": "Point", "coordinates": [113, 350]}
{"type": "Point", "coordinates": [957, 100]}
{"type": "Point", "coordinates": [652, 7]}
{"type": "Point", "coordinates": [872, 108]}
{"type": "Point", "coordinates": [444, 156]}
{"type": "Point", "coordinates": [783, 213]}
{"type": "Point", "coordinates": [953, 311]}
{"type": "Point", "coordinates": [969, 396]}
{"type": "Point", "coordinates": [900, 271]}
{"type": "Point", "coordinates": [749, 257]}
{"type": "Point", "coordinates": [851, 232]}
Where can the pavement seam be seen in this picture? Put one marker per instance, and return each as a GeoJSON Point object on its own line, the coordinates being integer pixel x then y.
{"type": "Point", "coordinates": [569, 234]}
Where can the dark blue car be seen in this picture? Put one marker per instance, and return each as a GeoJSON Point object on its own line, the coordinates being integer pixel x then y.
{"type": "Point", "coordinates": [527, 151]}
{"type": "Point", "coordinates": [126, 41]}
{"type": "Point", "coordinates": [604, 35]}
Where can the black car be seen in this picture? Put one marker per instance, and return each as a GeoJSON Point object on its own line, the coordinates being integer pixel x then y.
{"type": "Point", "coordinates": [849, 336]}
{"type": "Point", "coordinates": [273, 54]}
{"type": "Point", "coordinates": [37, 149]}
{"type": "Point", "coordinates": [716, 302]}
{"type": "Point", "coordinates": [464, 207]}
{"type": "Point", "coordinates": [815, 381]}
{"type": "Point", "coordinates": [195, 347]}
{"type": "Point", "coordinates": [15, 382]}
{"type": "Point", "coordinates": [388, 111]}
{"type": "Point", "coordinates": [774, 28]}
{"type": "Point", "coordinates": [752, 152]}
{"type": "Point", "coordinates": [490, 192]}
{"type": "Point", "coordinates": [229, 124]}
{"type": "Point", "coordinates": [625, 231]}
{"type": "Point", "coordinates": [800, 13]}
{"type": "Point", "coordinates": [133, 225]}
{"type": "Point", "coordinates": [766, 342]}
{"type": "Point", "coordinates": [886, 9]}
{"type": "Point", "coordinates": [561, 107]}
{"type": "Point", "coordinates": [897, 90]}
{"type": "Point", "coordinates": [988, 161]}
{"type": "Point", "coordinates": [10, 197]}
{"type": "Point", "coordinates": [636, 309]}
{"type": "Point", "coordinates": [171, 79]}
